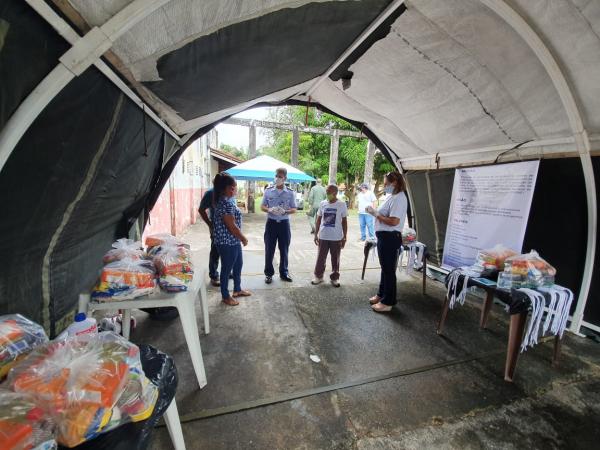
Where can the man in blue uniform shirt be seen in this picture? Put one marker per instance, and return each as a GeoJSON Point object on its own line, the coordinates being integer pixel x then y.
{"type": "Point", "coordinates": [278, 202]}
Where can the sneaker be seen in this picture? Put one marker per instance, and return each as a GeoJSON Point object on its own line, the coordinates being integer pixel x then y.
{"type": "Point", "coordinates": [268, 280]}
{"type": "Point", "coordinates": [335, 283]}
{"type": "Point", "coordinates": [316, 281]}
{"type": "Point", "coordinates": [215, 282]}
{"type": "Point", "coordinates": [286, 278]}
{"type": "Point", "coordinates": [381, 308]}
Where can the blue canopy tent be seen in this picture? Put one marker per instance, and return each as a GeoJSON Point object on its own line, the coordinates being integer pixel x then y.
{"type": "Point", "coordinates": [262, 168]}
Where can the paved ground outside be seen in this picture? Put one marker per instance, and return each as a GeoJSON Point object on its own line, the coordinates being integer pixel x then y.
{"type": "Point", "coordinates": [261, 349]}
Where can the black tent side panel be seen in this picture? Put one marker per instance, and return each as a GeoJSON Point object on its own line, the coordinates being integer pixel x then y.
{"type": "Point", "coordinates": [431, 192]}
{"type": "Point", "coordinates": [77, 179]}
{"type": "Point", "coordinates": [592, 307]}
{"type": "Point", "coordinates": [29, 50]}
{"type": "Point", "coordinates": [557, 226]}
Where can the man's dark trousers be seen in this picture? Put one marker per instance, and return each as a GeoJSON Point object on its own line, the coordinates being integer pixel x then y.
{"type": "Point", "coordinates": [277, 233]}
{"type": "Point", "coordinates": [213, 260]}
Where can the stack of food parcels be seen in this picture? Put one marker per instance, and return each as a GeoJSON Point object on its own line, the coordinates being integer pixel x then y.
{"type": "Point", "coordinates": [493, 258]}
{"type": "Point", "coordinates": [72, 390]}
{"type": "Point", "coordinates": [130, 272]}
{"type": "Point", "coordinates": [172, 260]}
{"type": "Point", "coordinates": [526, 271]}
{"type": "Point", "coordinates": [409, 236]}
{"type": "Point", "coordinates": [18, 336]}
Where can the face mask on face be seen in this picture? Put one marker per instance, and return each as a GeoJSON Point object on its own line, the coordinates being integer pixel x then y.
{"type": "Point", "coordinates": [278, 181]}
{"type": "Point", "coordinates": [388, 189]}
{"type": "Point", "coordinates": [331, 197]}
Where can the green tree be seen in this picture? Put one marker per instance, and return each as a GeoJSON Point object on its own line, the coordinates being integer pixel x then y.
{"type": "Point", "coordinates": [313, 155]}
{"type": "Point", "coordinates": [235, 151]}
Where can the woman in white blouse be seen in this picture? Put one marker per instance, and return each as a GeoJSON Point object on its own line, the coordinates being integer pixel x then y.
{"type": "Point", "coordinates": [389, 222]}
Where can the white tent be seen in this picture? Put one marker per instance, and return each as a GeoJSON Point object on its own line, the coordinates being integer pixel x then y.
{"type": "Point", "coordinates": [435, 83]}
{"type": "Point", "coordinates": [263, 167]}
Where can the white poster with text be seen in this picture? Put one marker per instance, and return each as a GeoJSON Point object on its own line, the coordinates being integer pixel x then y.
{"type": "Point", "coordinates": [490, 205]}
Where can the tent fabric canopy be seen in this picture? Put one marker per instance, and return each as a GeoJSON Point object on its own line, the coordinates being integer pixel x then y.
{"type": "Point", "coordinates": [435, 83]}
{"type": "Point", "coordinates": [262, 168]}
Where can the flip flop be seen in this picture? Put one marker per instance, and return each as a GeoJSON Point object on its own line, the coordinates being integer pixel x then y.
{"type": "Point", "coordinates": [242, 293]}
{"type": "Point", "coordinates": [230, 302]}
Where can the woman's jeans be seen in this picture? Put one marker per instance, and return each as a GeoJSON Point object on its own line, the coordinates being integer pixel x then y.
{"type": "Point", "coordinates": [389, 246]}
{"type": "Point", "coordinates": [231, 262]}
{"type": "Point", "coordinates": [366, 222]}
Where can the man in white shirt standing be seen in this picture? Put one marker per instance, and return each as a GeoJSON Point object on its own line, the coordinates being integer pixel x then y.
{"type": "Point", "coordinates": [366, 198]}
{"type": "Point", "coordinates": [330, 236]}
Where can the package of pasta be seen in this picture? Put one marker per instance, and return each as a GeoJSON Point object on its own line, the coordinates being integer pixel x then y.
{"type": "Point", "coordinates": [409, 236]}
{"type": "Point", "coordinates": [124, 249]}
{"type": "Point", "coordinates": [23, 424]}
{"type": "Point", "coordinates": [493, 258]}
{"type": "Point", "coordinates": [86, 385]}
{"type": "Point", "coordinates": [528, 271]}
{"type": "Point", "coordinates": [18, 337]}
{"type": "Point", "coordinates": [125, 279]}
{"type": "Point", "coordinates": [174, 267]}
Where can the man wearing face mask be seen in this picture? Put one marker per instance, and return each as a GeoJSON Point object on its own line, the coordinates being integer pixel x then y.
{"type": "Point", "coordinates": [278, 202]}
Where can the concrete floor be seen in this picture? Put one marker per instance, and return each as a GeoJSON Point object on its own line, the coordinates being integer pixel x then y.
{"type": "Point", "coordinates": [262, 348]}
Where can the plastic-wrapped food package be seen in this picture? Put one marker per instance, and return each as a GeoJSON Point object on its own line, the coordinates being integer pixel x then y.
{"type": "Point", "coordinates": [18, 337]}
{"type": "Point", "coordinates": [125, 279]}
{"type": "Point", "coordinates": [124, 248]}
{"type": "Point", "coordinates": [174, 266]}
{"type": "Point", "coordinates": [86, 385]}
{"type": "Point", "coordinates": [156, 240]}
{"type": "Point", "coordinates": [408, 236]}
{"type": "Point", "coordinates": [526, 271]}
{"type": "Point", "coordinates": [23, 425]}
{"type": "Point", "coordinates": [493, 258]}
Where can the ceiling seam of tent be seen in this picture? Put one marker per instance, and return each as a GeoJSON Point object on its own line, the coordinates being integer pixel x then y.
{"type": "Point", "coordinates": [393, 6]}
{"type": "Point", "coordinates": [89, 178]}
{"type": "Point", "coordinates": [407, 140]}
{"type": "Point", "coordinates": [587, 22]}
{"type": "Point", "coordinates": [507, 91]}
{"type": "Point", "coordinates": [486, 111]}
{"type": "Point", "coordinates": [582, 141]}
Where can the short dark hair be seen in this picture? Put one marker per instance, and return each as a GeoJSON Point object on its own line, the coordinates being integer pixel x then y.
{"type": "Point", "coordinates": [281, 170]}
{"type": "Point", "coordinates": [396, 177]}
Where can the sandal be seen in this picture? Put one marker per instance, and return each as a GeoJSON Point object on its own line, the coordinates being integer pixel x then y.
{"type": "Point", "coordinates": [230, 302]}
{"type": "Point", "coordinates": [375, 299]}
{"type": "Point", "coordinates": [242, 293]}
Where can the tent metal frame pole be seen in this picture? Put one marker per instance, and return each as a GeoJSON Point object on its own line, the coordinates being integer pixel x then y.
{"type": "Point", "coordinates": [363, 36]}
{"type": "Point", "coordinates": [582, 141]}
{"type": "Point", "coordinates": [84, 52]}
{"type": "Point", "coordinates": [71, 36]}
{"type": "Point", "coordinates": [495, 148]}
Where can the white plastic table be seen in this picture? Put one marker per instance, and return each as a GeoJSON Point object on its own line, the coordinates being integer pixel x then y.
{"type": "Point", "coordinates": [183, 301]}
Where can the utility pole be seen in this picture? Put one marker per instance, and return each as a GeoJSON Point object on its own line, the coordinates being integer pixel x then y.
{"type": "Point", "coordinates": [251, 154]}
{"type": "Point", "coordinates": [369, 163]}
{"type": "Point", "coordinates": [333, 156]}
{"type": "Point", "coordinates": [295, 146]}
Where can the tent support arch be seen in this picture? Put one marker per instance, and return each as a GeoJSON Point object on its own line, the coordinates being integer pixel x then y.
{"type": "Point", "coordinates": [580, 135]}
{"type": "Point", "coordinates": [84, 52]}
